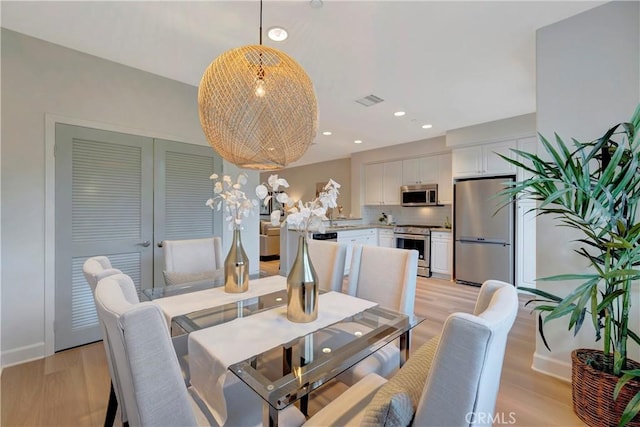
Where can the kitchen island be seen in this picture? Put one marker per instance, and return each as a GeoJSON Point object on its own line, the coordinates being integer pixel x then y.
{"type": "Point", "coordinates": [349, 231]}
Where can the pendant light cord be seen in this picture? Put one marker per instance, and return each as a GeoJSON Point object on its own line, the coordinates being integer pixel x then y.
{"type": "Point", "coordinates": [260, 22]}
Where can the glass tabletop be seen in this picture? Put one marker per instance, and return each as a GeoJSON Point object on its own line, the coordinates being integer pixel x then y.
{"type": "Point", "coordinates": [291, 371]}
{"type": "Point", "coordinates": [163, 291]}
{"type": "Point", "coordinates": [224, 313]}
{"type": "Point", "coordinates": [183, 288]}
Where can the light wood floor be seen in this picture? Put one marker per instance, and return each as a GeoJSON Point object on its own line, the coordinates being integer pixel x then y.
{"type": "Point", "coordinates": [71, 388]}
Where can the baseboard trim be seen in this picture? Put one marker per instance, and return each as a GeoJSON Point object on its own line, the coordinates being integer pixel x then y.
{"type": "Point", "coordinates": [552, 367]}
{"type": "Point", "coordinates": [441, 276]}
{"type": "Point", "coordinates": [24, 354]}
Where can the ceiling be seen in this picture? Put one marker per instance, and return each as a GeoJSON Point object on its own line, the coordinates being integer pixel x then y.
{"type": "Point", "coordinates": [448, 64]}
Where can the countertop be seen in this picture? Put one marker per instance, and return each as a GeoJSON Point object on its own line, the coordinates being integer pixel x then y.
{"type": "Point", "coordinates": [357, 227]}
{"type": "Point", "coordinates": [381, 226]}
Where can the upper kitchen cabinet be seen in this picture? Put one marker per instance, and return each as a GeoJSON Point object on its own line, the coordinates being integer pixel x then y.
{"type": "Point", "coordinates": [445, 182]}
{"type": "Point", "coordinates": [430, 170]}
{"type": "Point", "coordinates": [421, 170]}
{"type": "Point", "coordinates": [483, 160]}
{"type": "Point", "coordinates": [529, 145]}
{"type": "Point", "coordinates": [382, 182]}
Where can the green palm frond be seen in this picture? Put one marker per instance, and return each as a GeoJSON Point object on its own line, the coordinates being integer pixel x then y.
{"type": "Point", "coordinates": [594, 188]}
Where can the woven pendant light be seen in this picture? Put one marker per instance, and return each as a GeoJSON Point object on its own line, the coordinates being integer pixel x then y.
{"type": "Point", "coordinates": [257, 107]}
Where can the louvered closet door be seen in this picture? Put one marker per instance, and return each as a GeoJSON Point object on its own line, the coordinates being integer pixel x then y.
{"type": "Point", "coordinates": [104, 206]}
{"type": "Point", "coordinates": [182, 187]}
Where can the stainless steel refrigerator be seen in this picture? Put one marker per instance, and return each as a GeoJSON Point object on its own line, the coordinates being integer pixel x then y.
{"type": "Point", "coordinates": [484, 235]}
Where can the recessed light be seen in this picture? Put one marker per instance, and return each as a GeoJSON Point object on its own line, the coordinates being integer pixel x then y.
{"type": "Point", "coordinates": [327, 133]}
{"type": "Point", "coordinates": [357, 141]}
{"type": "Point", "coordinates": [399, 113]}
{"type": "Point", "coordinates": [427, 126]}
{"type": "Point", "coordinates": [277, 34]}
{"type": "Point", "coordinates": [357, 333]}
{"type": "Point", "coordinates": [326, 350]}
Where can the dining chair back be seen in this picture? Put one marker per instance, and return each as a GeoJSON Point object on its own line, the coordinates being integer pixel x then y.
{"type": "Point", "coordinates": [95, 269]}
{"type": "Point", "coordinates": [124, 285]}
{"type": "Point", "coordinates": [192, 260]}
{"type": "Point", "coordinates": [328, 260]}
{"type": "Point", "coordinates": [452, 380]}
{"type": "Point", "coordinates": [147, 367]}
{"type": "Point", "coordinates": [149, 371]}
{"type": "Point", "coordinates": [386, 276]}
{"type": "Point", "coordinates": [463, 382]}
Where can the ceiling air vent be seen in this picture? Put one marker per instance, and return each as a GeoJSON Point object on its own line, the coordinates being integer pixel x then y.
{"type": "Point", "coordinates": [369, 100]}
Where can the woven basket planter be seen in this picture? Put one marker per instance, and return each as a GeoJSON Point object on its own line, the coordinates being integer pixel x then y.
{"type": "Point", "coordinates": [593, 390]}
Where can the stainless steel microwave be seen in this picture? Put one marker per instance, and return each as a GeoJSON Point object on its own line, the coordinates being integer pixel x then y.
{"type": "Point", "coordinates": [419, 195]}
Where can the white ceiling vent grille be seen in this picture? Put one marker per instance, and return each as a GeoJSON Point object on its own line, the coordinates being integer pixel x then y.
{"type": "Point", "coordinates": [369, 100]}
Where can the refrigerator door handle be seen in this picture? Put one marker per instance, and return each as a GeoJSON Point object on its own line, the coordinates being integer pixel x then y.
{"type": "Point", "coordinates": [481, 240]}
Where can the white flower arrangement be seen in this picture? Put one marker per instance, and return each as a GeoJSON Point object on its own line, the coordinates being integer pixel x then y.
{"type": "Point", "coordinates": [237, 204]}
{"type": "Point", "coordinates": [304, 217]}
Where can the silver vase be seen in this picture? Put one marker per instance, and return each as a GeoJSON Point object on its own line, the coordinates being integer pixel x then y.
{"type": "Point", "coordinates": [302, 287]}
{"type": "Point", "coordinates": [236, 267]}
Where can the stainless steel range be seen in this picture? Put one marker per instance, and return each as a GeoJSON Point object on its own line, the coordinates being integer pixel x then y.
{"type": "Point", "coordinates": [416, 237]}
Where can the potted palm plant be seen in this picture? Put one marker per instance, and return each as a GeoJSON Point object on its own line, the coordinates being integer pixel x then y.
{"type": "Point", "coordinates": [594, 188]}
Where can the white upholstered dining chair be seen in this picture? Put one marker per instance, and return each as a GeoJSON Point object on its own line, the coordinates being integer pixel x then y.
{"type": "Point", "coordinates": [149, 372]}
{"type": "Point", "coordinates": [192, 260]}
{"type": "Point", "coordinates": [386, 276]}
{"type": "Point", "coordinates": [452, 380]}
{"type": "Point", "coordinates": [95, 269]}
{"type": "Point", "coordinates": [328, 260]}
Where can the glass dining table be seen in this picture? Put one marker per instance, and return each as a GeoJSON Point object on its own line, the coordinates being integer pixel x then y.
{"type": "Point", "coordinates": [288, 372]}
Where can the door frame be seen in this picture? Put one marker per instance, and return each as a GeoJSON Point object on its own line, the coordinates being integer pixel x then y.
{"type": "Point", "coordinates": [50, 206]}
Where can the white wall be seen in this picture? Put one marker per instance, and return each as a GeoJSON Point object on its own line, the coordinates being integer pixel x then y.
{"type": "Point", "coordinates": [0, 232]}
{"type": "Point", "coordinates": [588, 79]}
{"type": "Point", "coordinates": [509, 128]}
{"type": "Point", "coordinates": [40, 78]}
{"type": "Point", "coordinates": [303, 179]}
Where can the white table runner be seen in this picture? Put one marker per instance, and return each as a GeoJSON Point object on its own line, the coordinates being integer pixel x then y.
{"type": "Point", "coordinates": [178, 305]}
{"type": "Point", "coordinates": [213, 350]}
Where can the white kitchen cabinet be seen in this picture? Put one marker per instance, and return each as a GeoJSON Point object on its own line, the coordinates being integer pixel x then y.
{"type": "Point", "coordinates": [373, 176]}
{"type": "Point", "coordinates": [382, 183]}
{"type": "Point", "coordinates": [392, 183]}
{"type": "Point", "coordinates": [421, 170]}
{"type": "Point", "coordinates": [526, 244]}
{"type": "Point", "coordinates": [483, 160]}
{"type": "Point", "coordinates": [530, 145]}
{"type": "Point", "coordinates": [366, 236]}
{"type": "Point", "coordinates": [386, 238]}
{"type": "Point", "coordinates": [445, 182]}
{"type": "Point", "coordinates": [430, 170]}
{"type": "Point", "coordinates": [493, 163]}
{"type": "Point", "coordinates": [441, 251]}
{"type": "Point", "coordinates": [526, 225]}
{"type": "Point", "coordinates": [466, 161]}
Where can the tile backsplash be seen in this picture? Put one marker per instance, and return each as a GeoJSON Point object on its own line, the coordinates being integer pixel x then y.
{"type": "Point", "coordinates": [426, 215]}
